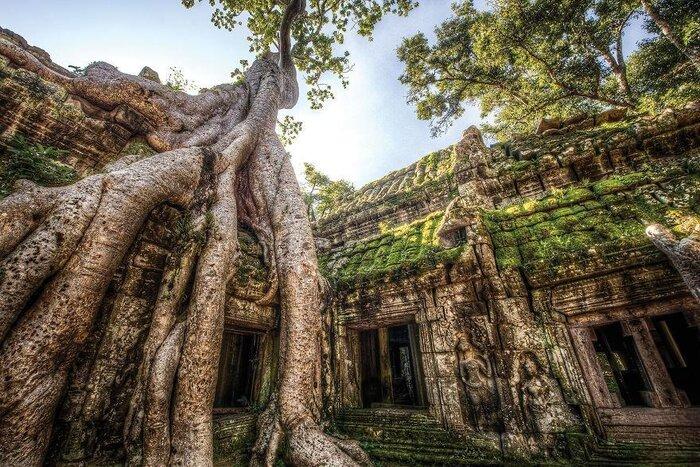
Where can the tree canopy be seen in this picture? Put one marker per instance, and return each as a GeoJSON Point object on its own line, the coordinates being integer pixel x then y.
{"type": "Point", "coordinates": [522, 60]}
{"type": "Point", "coordinates": [318, 38]}
{"type": "Point", "coordinates": [321, 193]}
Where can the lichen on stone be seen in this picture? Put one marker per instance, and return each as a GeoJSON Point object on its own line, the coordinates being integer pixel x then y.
{"type": "Point", "coordinates": [566, 230]}
{"type": "Point", "coordinates": [401, 250]}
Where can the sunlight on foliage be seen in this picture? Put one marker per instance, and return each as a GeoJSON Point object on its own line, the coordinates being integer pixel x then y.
{"type": "Point", "coordinates": [288, 129]}
{"type": "Point", "coordinates": [177, 81]}
{"type": "Point", "coordinates": [318, 39]}
{"type": "Point", "coordinates": [322, 194]}
{"type": "Point", "coordinates": [520, 61]}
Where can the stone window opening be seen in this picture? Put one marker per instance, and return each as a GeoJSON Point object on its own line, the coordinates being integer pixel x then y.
{"type": "Point", "coordinates": [459, 236]}
{"type": "Point", "coordinates": [679, 346]}
{"type": "Point", "coordinates": [238, 367]}
{"type": "Point", "coordinates": [621, 365]}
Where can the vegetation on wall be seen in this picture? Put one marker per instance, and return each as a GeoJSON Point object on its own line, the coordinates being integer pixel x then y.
{"type": "Point", "coordinates": [430, 176]}
{"type": "Point", "coordinates": [397, 252]}
{"type": "Point", "coordinates": [36, 162]}
{"type": "Point", "coordinates": [177, 81]}
{"type": "Point", "coordinates": [597, 220]}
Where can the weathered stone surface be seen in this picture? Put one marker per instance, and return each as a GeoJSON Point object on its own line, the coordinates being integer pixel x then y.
{"type": "Point", "coordinates": [507, 279]}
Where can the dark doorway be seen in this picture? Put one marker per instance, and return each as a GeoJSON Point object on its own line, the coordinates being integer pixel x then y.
{"type": "Point", "coordinates": [404, 380]}
{"type": "Point", "coordinates": [371, 375]}
{"type": "Point", "coordinates": [460, 236]}
{"type": "Point", "coordinates": [237, 367]}
{"type": "Point", "coordinates": [622, 368]}
{"type": "Point", "coordinates": [679, 346]}
{"type": "Point", "coordinates": [389, 367]}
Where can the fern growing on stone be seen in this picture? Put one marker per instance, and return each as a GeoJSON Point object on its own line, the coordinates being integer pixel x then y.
{"type": "Point", "coordinates": [36, 162]}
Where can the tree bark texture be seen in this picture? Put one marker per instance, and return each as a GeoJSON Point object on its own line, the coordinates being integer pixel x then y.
{"type": "Point", "coordinates": [684, 254]}
{"type": "Point", "coordinates": [219, 161]}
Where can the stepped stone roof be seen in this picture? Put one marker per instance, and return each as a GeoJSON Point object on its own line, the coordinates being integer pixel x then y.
{"type": "Point", "coordinates": [642, 170]}
{"type": "Point", "coordinates": [597, 225]}
{"type": "Point", "coordinates": [402, 250]}
{"type": "Point", "coordinates": [434, 169]}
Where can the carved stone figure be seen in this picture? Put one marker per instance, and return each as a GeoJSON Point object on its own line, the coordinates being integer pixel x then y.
{"type": "Point", "coordinates": [541, 401]}
{"type": "Point", "coordinates": [477, 379]}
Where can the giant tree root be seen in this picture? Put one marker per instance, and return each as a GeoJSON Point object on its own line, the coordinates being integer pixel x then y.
{"type": "Point", "coordinates": [296, 409]}
{"type": "Point", "coordinates": [60, 248]}
{"type": "Point", "coordinates": [42, 344]}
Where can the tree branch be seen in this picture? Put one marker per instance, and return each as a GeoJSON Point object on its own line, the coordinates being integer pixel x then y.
{"type": "Point", "coordinates": [690, 52]}
{"type": "Point", "coordinates": [566, 87]}
{"type": "Point", "coordinates": [293, 10]}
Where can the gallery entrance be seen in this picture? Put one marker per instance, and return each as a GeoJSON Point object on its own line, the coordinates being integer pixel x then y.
{"type": "Point", "coordinates": [622, 368]}
{"type": "Point", "coordinates": [237, 369]}
{"type": "Point", "coordinates": [678, 343]}
{"type": "Point", "coordinates": [390, 369]}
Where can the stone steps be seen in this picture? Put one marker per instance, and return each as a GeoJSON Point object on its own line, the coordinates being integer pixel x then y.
{"type": "Point", "coordinates": [400, 455]}
{"type": "Point", "coordinates": [409, 437]}
{"type": "Point", "coordinates": [617, 453]}
{"type": "Point", "coordinates": [233, 434]}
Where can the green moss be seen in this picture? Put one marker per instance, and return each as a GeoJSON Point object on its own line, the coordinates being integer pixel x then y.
{"type": "Point", "coordinates": [399, 251]}
{"type": "Point", "coordinates": [517, 168]}
{"type": "Point", "coordinates": [594, 221]}
{"type": "Point", "coordinates": [625, 182]}
{"type": "Point", "coordinates": [36, 162]}
{"type": "Point", "coordinates": [556, 198]}
{"type": "Point", "coordinates": [508, 257]}
{"type": "Point", "coordinates": [138, 147]}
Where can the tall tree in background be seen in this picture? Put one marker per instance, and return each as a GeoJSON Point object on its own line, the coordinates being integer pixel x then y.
{"type": "Point", "coordinates": [321, 193]}
{"type": "Point", "coordinates": [678, 21]}
{"type": "Point", "coordinates": [318, 50]}
{"type": "Point", "coordinates": [524, 60]}
{"type": "Point", "coordinates": [220, 162]}
{"type": "Point", "coordinates": [665, 70]}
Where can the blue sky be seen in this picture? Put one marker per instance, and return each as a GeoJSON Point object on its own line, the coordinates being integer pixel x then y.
{"type": "Point", "coordinates": [367, 131]}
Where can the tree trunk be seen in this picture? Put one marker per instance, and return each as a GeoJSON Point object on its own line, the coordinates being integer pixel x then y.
{"type": "Point", "coordinates": [684, 254]}
{"type": "Point", "coordinates": [692, 53]}
{"type": "Point", "coordinates": [60, 248]}
{"type": "Point", "coordinates": [297, 407]}
{"type": "Point", "coordinates": [156, 438]}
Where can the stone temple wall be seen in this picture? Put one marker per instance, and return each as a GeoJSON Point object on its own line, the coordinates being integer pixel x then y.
{"type": "Point", "coordinates": [512, 275]}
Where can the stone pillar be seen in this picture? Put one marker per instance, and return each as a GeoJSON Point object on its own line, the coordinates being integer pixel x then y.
{"type": "Point", "coordinates": [583, 338]}
{"type": "Point", "coordinates": [439, 363]}
{"type": "Point", "coordinates": [662, 388]}
{"type": "Point", "coordinates": [385, 366]}
{"type": "Point", "coordinates": [267, 371]}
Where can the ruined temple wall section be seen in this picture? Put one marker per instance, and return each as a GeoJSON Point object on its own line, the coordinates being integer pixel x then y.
{"type": "Point", "coordinates": [398, 210]}
{"type": "Point", "coordinates": [435, 323]}
{"type": "Point", "coordinates": [525, 168]}
{"type": "Point", "coordinates": [46, 113]}
{"type": "Point", "coordinates": [481, 350]}
{"type": "Point", "coordinates": [92, 414]}
{"type": "Point", "coordinates": [534, 165]}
